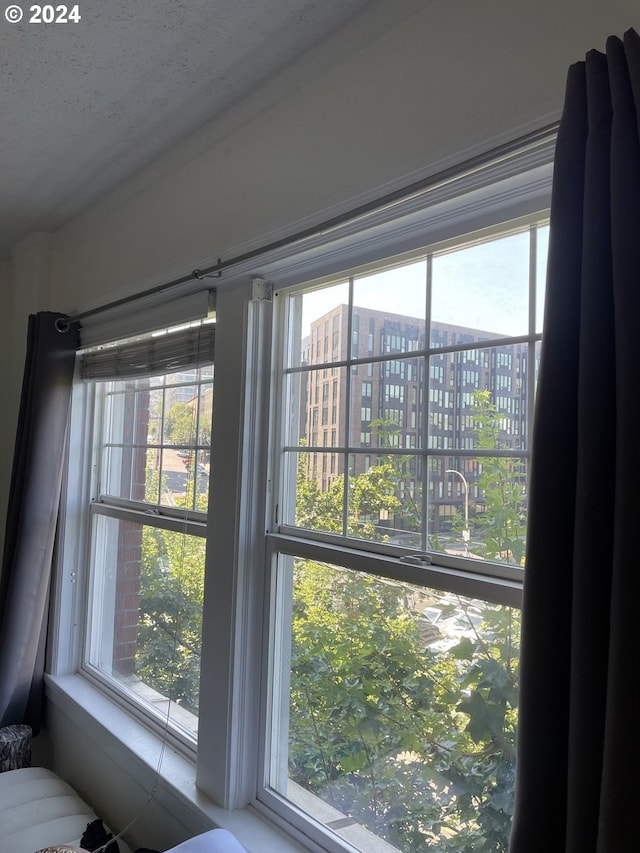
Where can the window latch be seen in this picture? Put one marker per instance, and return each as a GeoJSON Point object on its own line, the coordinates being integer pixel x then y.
{"type": "Point", "coordinates": [422, 559]}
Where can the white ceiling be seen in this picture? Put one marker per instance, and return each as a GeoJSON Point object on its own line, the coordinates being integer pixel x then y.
{"type": "Point", "coordinates": [85, 106]}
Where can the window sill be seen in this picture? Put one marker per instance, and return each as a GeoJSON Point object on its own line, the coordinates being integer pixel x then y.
{"type": "Point", "coordinates": [136, 750]}
{"type": "Point", "coordinates": [159, 705]}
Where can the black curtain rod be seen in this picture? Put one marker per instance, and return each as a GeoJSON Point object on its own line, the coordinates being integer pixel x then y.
{"type": "Point", "coordinates": [466, 167]}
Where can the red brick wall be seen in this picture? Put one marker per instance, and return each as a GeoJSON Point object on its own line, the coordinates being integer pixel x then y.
{"type": "Point", "coordinates": [127, 592]}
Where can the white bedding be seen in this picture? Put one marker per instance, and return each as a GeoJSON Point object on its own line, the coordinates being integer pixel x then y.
{"type": "Point", "coordinates": [37, 810]}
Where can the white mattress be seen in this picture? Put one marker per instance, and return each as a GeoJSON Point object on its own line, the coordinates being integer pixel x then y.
{"type": "Point", "coordinates": [37, 809]}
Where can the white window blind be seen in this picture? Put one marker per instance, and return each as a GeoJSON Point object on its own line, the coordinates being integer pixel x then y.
{"type": "Point", "coordinates": [161, 352]}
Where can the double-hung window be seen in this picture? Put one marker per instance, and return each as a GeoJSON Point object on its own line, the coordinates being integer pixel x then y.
{"type": "Point", "coordinates": [395, 586]}
{"type": "Point", "coordinates": [147, 406]}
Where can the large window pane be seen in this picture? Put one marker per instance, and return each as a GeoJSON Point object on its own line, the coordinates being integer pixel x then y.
{"type": "Point", "coordinates": [205, 414]}
{"type": "Point", "coordinates": [470, 391]}
{"type": "Point", "coordinates": [396, 709]}
{"type": "Point", "coordinates": [128, 422]}
{"type": "Point", "coordinates": [478, 398]}
{"type": "Point", "coordinates": [387, 404]}
{"type": "Point", "coordinates": [477, 507]}
{"type": "Point", "coordinates": [146, 621]}
{"type": "Point", "coordinates": [483, 287]}
{"type": "Point", "coordinates": [316, 408]}
{"type": "Point", "coordinates": [385, 498]}
{"type": "Point", "coordinates": [408, 284]}
{"type": "Point", "coordinates": [157, 437]}
{"type": "Point", "coordinates": [317, 499]}
{"type": "Point", "coordinates": [318, 325]}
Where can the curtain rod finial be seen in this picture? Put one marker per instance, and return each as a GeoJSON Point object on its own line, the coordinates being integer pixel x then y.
{"type": "Point", "coordinates": [200, 276]}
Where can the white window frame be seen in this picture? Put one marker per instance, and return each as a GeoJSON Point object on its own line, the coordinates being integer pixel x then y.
{"type": "Point", "coordinates": [85, 502]}
{"type": "Point", "coordinates": [484, 580]}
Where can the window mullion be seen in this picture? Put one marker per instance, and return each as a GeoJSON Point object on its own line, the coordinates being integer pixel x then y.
{"type": "Point", "coordinates": [347, 413]}
{"type": "Point", "coordinates": [423, 408]}
{"type": "Point", "coordinates": [232, 638]}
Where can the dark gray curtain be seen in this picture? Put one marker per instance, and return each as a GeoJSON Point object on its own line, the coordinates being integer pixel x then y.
{"type": "Point", "coordinates": [578, 759]}
{"type": "Point", "coordinates": [32, 517]}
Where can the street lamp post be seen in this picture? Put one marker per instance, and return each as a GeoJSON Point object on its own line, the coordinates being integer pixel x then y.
{"type": "Point", "coordinates": [466, 535]}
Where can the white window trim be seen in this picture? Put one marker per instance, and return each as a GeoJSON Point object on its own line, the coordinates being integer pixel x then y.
{"type": "Point", "coordinates": [236, 594]}
{"type": "Point", "coordinates": [234, 603]}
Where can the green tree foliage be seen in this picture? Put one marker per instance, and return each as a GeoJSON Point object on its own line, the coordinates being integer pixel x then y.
{"type": "Point", "coordinates": [391, 721]}
{"type": "Point", "coordinates": [180, 424]}
{"type": "Point", "coordinates": [389, 434]}
{"type": "Point", "coordinates": [405, 722]}
{"type": "Point", "coordinates": [416, 743]}
{"type": "Point", "coordinates": [172, 580]}
{"type": "Point", "coordinates": [502, 525]}
{"type": "Point", "coordinates": [170, 623]}
{"type": "Point", "coordinates": [368, 494]}
{"type": "Point", "coordinates": [170, 604]}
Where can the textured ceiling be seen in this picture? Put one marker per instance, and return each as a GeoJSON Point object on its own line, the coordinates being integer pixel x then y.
{"type": "Point", "coordinates": [85, 106]}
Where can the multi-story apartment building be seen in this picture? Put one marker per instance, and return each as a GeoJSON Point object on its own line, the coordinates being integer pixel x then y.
{"type": "Point", "coordinates": [382, 401]}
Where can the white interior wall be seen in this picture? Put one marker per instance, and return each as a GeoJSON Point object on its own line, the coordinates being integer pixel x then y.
{"type": "Point", "coordinates": [116, 797]}
{"type": "Point", "coordinates": [452, 80]}
{"type": "Point", "coordinates": [25, 282]}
